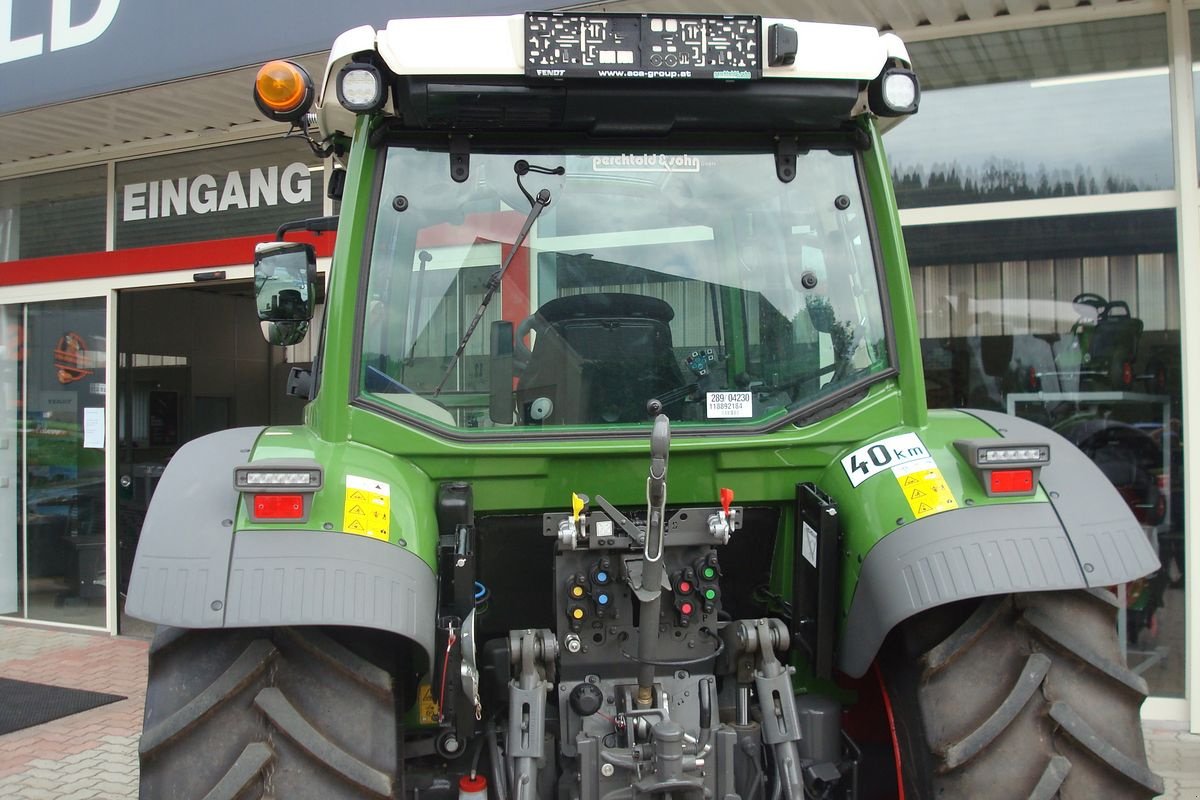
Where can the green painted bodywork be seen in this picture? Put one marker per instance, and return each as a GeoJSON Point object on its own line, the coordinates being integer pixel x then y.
{"type": "Point", "coordinates": [536, 476]}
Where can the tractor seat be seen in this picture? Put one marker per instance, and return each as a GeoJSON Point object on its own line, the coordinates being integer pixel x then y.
{"type": "Point", "coordinates": [597, 359]}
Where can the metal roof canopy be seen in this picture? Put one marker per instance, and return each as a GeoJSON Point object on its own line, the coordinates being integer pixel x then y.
{"type": "Point", "coordinates": [217, 108]}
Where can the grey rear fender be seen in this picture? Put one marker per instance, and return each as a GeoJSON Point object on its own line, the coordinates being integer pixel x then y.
{"type": "Point", "coordinates": [1084, 537]}
{"type": "Point", "coordinates": [193, 571]}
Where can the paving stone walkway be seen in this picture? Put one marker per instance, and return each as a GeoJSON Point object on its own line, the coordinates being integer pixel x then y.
{"type": "Point", "coordinates": [93, 754]}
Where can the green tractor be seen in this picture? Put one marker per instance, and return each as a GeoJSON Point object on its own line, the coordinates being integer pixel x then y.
{"type": "Point", "coordinates": [617, 478]}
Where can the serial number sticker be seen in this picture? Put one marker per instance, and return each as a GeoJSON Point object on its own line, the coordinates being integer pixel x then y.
{"type": "Point", "coordinates": [427, 708]}
{"type": "Point", "coordinates": [809, 545]}
{"type": "Point", "coordinates": [924, 487]}
{"type": "Point", "coordinates": [368, 508]}
{"type": "Point", "coordinates": [884, 454]}
{"type": "Point", "coordinates": [729, 405]}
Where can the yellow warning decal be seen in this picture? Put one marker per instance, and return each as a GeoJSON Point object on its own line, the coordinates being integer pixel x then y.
{"type": "Point", "coordinates": [924, 487]}
{"type": "Point", "coordinates": [368, 510]}
{"type": "Point", "coordinates": [427, 709]}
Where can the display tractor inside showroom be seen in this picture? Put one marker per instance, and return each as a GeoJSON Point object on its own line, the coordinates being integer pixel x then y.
{"type": "Point", "coordinates": [616, 477]}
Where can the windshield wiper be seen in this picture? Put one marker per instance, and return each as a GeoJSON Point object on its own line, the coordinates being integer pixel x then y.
{"type": "Point", "coordinates": [537, 205]}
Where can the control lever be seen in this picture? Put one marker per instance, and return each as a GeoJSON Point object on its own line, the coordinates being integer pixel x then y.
{"type": "Point", "coordinates": [652, 564]}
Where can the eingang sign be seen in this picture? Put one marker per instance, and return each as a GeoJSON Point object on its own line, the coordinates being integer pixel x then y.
{"type": "Point", "coordinates": [259, 187]}
{"type": "Point", "coordinates": [217, 193]}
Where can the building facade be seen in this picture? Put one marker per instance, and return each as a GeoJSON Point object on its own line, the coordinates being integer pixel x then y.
{"type": "Point", "coordinates": [1049, 189]}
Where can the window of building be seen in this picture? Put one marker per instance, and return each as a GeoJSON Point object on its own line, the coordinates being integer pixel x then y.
{"type": "Point", "coordinates": [1061, 111]}
{"type": "Point", "coordinates": [1074, 322]}
{"type": "Point", "coordinates": [57, 214]}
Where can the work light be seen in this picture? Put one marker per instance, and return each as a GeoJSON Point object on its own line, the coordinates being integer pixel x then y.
{"type": "Point", "coordinates": [360, 88]}
{"type": "Point", "coordinates": [895, 92]}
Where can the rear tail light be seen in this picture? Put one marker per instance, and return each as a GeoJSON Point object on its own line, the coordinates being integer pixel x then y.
{"type": "Point", "coordinates": [1005, 468]}
{"type": "Point", "coordinates": [279, 489]}
{"type": "Point", "coordinates": [278, 506]}
{"type": "Point", "coordinates": [1011, 481]}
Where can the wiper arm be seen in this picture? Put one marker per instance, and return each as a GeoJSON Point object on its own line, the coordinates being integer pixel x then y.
{"type": "Point", "coordinates": [537, 205]}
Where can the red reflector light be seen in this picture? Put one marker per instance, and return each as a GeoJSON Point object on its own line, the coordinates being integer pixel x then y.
{"type": "Point", "coordinates": [278, 506]}
{"type": "Point", "coordinates": [1012, 481]}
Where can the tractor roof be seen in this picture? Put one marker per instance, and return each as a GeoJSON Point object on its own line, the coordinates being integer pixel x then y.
{"type": "Point", "coordinates": [503, 48]}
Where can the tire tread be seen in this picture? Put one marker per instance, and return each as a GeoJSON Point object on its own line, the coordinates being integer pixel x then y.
{"type": "Point", "coordinates": [306, 714]}
{"type": "Point", "coordinates": [1027, 696]}
{"type": "Point", "coordinates": [288, 721]}
{"type": "Point", "coordinates": [253, 661]}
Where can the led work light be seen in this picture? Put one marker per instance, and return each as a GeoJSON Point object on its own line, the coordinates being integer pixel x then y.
{"type": "Point", "coordinates": [895, 92]}
{"type": "Point", "coordinates": [360, 88]}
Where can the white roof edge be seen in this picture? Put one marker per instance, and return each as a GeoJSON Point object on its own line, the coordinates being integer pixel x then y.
{"type": "Point", "coordinates": [331, 117]}
{"type": "Point", "coordinates": [482, 46]}
{"type": "Point", "coordinates": [895, 47]}
{"type": "Point", "coordinates": [494, 45]}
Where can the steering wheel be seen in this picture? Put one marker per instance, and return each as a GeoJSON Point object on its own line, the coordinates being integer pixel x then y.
{"type": "Point", "coordinates": [1090, 299]}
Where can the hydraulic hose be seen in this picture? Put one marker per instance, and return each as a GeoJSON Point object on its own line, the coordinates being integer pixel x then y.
{"type": "Point", "coordinates": [499, 771]}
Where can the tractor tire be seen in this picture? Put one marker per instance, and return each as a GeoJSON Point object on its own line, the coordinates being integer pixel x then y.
{"type": "Point", "coordinates": [1017, 696]}
{"type": "Point", "coordinates": [269, 712]}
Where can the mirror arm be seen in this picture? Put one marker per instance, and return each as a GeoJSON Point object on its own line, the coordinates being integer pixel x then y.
{"type": "Point", "coordinates": [316, 225]}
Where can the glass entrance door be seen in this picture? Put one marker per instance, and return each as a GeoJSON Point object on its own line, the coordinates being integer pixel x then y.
{"type": "Point", "coordinates": [53, 375]}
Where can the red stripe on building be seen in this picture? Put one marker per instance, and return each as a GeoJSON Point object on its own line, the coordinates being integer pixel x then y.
{"type": "Point", "coordinates": [198, 256]}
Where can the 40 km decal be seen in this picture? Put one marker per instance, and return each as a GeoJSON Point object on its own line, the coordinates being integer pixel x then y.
{"type": "Point", "coordinates": [368, 508]}
{"type": "Point", "coordinates": [884, 454]}
{"type": "Point", "coordinates": [924, 487]}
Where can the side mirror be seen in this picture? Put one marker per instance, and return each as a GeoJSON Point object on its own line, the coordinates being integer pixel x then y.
{"type": "Point", "coordinates": [284, 334]}
{"type": "Point", "coordinates": [285, 289]}
{"type": "Point", "coordinates": [500, 373]}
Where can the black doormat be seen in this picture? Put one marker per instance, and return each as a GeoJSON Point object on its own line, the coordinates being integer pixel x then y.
{"type": "Point", "coordinates": [24, 704]}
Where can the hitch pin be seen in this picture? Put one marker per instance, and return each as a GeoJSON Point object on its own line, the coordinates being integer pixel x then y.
{"type": "Point", "coordinates": [720, 525]}
{"type": "Point", "coordinates": [578, 504]}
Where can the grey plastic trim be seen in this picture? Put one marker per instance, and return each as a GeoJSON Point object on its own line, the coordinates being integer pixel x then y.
{"type": "Point", "coordinates": [193, 571]}
{"type": "Point", "coordinates": [970, 552]}
{"type": "Point", "coordinates": [315, 578]}
{"type": "Point", "coordinates": [182, 562]}
{"type": "Point", "coordinates": [1085, 537]}
{"type": "Point", "coordinates": [1111, 544]}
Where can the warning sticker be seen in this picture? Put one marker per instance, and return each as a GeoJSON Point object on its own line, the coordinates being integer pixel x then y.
{"type": "Point", "coordinates": [427, 709]}
{"type": "Point", "coordinates": [368, 508]}
{"type": "Point", "coordinates": [924, 487]}
{"type": "Point", "coordinates": [884, 454]}
{"type": "Point", "coordinates": [808, 547]}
